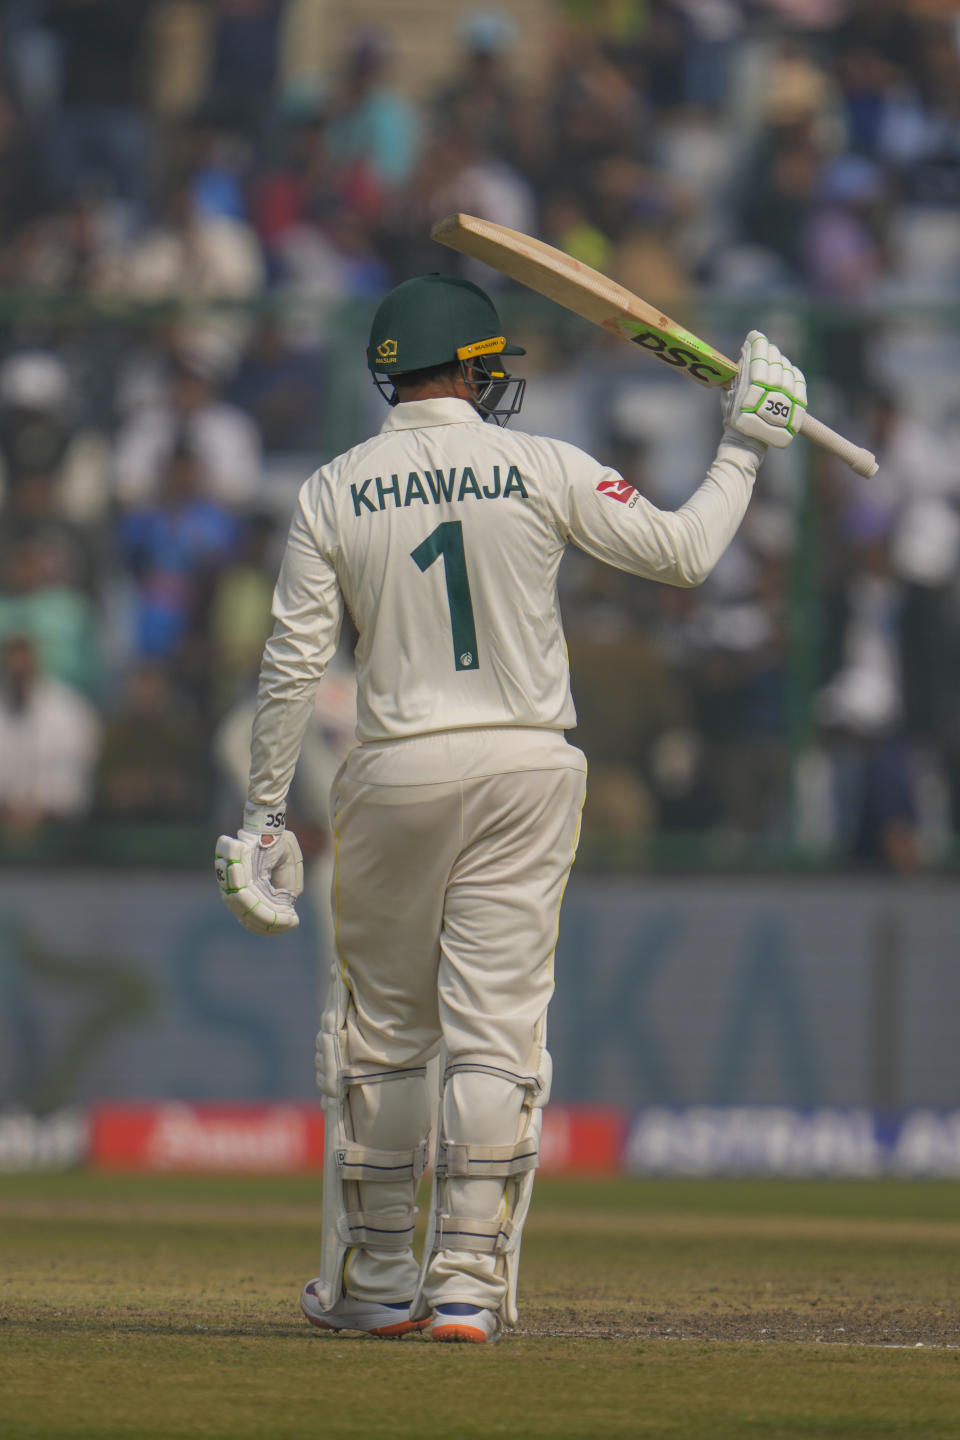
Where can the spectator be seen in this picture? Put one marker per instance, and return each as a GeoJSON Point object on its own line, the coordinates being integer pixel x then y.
{"type": "Point", "coordinates": [618, 723]}
{"type": "Point", "coordinates": [194, 258]}
{"type": "Point", "coordinates": [711, 31]}
{"type": "Point", "coordinates": [458, 174]}
{"type": "Point", "coordinates": [40, 599]}
{"type": "Point", "coordinates": [246, 46]}
{"type": "Point", "coordinates": [884, 31]}
{"type": "Point", "coordinates": [22, 192]}
{"type": "Point", "coordinates": [101, 133]}
{"type": "Point", "coordinates": [175, 549]}
{"type": "Point", "coordinates": [34, 413]}
{"type": "Point", "coordinates": [481, 95]}
{"type": "Point", "coordinates": [781, 192]}
{"type": "Point", "coordinates": [882, 107]}
{"type": "Point", "coordinates": [282, 389]}
{"type": "Point", "coordinates": [49, 738]}
{"type": "Point", "coordinates": [222, 440]}
{"type": "Point", "coordinates": [40, 436]}
{"type": "Point", "coordinates": [925, 557]}
{"type": "Point", "coordinates": [370, 124]}
{"type": "Point", "coordinates": [218, 156]}
{"type": "Point", "coordinates": [594, 112]}
{"type": "Point", "coordinates": [152, 761]}
{"type": "Point", "coordinates": [844, 238]}
{"type": "Point", "coordinates": [931, 169]}
{"type": "Point", "coordinates": [306, 186]}
{"type": "Point", "coordinates": [33, 517]}
{"type": "Point", "coordinates": [69, 247]}
{"type": "Point", "coordinates": [861, 711]}
{"type": "Point", "coordinates": [566, 226]}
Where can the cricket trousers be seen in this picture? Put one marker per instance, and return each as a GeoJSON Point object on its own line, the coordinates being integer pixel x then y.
{"type": "Point", "coordinates": [452, 852]}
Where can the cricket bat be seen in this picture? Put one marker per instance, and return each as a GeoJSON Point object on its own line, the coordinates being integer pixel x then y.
{"type": "Point", "coordinates": [588, 293]}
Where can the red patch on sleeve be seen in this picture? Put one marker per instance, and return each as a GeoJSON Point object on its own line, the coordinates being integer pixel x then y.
{"type": "Point", "coordinates": [620, 490]}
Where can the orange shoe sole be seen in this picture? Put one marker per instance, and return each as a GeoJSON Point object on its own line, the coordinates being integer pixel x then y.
{"type": "Point", "coordinates": [459, 1332]}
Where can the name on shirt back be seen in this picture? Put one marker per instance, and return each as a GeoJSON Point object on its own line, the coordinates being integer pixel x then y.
{"type": "Point", "coordinates": [431, 487]}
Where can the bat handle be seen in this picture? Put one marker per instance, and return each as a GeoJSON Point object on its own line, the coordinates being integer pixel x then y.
{"type": "Point", "coordinates": [858, 459]}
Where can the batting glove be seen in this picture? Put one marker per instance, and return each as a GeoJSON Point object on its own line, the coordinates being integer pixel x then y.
{"type": "Point", "coordinates": [769, 396]}
{"type": "Point", "coordinates": [260, 877]}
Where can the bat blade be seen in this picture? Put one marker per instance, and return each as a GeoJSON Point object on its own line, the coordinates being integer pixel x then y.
{"type": "Point", "coordinates": [578, 287]}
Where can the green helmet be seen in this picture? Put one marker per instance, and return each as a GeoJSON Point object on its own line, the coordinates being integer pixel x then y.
{"type": "Point", "coordinates": [434, 320]}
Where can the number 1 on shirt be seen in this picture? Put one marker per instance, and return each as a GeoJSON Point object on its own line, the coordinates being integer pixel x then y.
{"type": "Point", "coordinates": [447, 540]}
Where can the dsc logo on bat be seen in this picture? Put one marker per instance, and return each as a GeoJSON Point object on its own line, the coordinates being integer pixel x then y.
{"type": "Point", "coordinates": [679, 356]}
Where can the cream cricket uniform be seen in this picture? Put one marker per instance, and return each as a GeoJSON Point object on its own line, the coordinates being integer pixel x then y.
{"type": "Point", "coordinates": [457, 814]}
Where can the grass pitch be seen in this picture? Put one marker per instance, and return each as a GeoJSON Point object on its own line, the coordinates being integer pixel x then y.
{"type": "Point", "coordinates": [695, 1311]}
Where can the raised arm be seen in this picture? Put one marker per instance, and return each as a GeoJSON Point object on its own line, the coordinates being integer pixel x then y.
{"type": "Point", "coordinates": [610, 520]}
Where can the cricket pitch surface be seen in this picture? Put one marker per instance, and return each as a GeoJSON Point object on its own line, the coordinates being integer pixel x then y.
{"type": "Point", "coordinates": [693, 1310]}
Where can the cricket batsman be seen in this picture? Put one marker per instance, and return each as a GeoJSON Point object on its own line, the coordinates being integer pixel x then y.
{"type": "Point", "coordinates": [457, 814]}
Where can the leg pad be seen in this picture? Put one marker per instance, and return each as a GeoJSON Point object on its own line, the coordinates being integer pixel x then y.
{"type": "Point", "coordinates": [369, 1189]}
{"type": "Point", "coordinates": [482, 1186]}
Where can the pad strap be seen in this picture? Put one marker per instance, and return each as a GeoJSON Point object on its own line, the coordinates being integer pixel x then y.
{"type": "Point", "coordinates": [361, 1162]}
{"type": "Point", "coordinates": [361, 1227]}
{"type": "Point", "coordinates": [488, 1161]}
{"type": "Point", "coordinates": [334, 1077]}
{"type": "Point", "coordinates": [464, 1232]}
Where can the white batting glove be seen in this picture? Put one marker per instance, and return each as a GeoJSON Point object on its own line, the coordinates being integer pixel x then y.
{"type": "Point", "coordinates": [260, 877]}
{"type": "Point", "coordinates": [769, 396]}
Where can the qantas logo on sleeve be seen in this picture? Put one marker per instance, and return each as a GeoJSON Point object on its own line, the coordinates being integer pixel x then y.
{"type": "Point", "coordinates": [620, 490]}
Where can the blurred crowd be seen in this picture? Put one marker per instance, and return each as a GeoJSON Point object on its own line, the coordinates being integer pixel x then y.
{"type": "Point", "coordinates": [198, 213]}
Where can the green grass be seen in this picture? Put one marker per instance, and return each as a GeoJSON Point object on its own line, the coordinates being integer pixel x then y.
{"type": "Point", "coordinates": [695, 1310]}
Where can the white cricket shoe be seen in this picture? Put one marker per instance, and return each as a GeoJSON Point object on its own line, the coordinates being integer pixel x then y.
{"type": "Point", "coordinates": [388, 1321]}
{"type": "Point", "coordinates": [465, 1323]}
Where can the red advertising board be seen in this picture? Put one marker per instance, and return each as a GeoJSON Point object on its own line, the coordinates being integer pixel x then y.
{"type": "Point", "coordinates": [283, 1139]}
{"type": "Point", "coordinates": [254, 1139]}
{"type": "Point", "coordinates": [582, 1139]}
